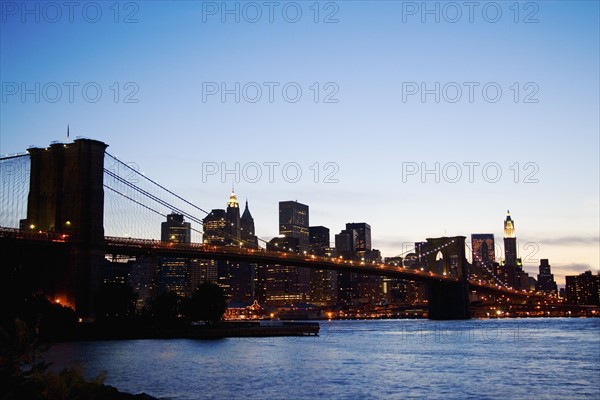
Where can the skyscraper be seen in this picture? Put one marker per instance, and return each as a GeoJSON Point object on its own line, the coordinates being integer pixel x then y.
{"type": "Point", "coordinates": [363, 237]}
{"type": "Point", "coordinates": [174, 273]}
{"type": "Point", "coordinates": [233, 220]}
{"type": "Point", "coordinates": [236, 278]}
{"type": "Point", "coordinates": [281, 284]}
{"type": "Point", "coordinates": [545, 281]}
{"type": "Point", "coordinates": [583, 289]}
{"type": "Point", "coordinates": [293, 222]}
{"type": "Point", "coordinates": [323, 283]}
{"type": "Point", "coordinates": [345, 243]}
{"type": "Point", "coordinates": [318, 240]}
{"type": "Point", "coordinates": [512, 265]}
{"type": "Point", "coordinates": [510, 241]}
{"type": "Point", "coordinates": [215, 225]}
{"type": "Point", "coordinates": [175, 230]}
{"type": "Point", "coordinates": [247, 233]}
{"type": "Point", "coordinates": [484, 257]}
{"type": "Point", "coordinates": [483, 248]}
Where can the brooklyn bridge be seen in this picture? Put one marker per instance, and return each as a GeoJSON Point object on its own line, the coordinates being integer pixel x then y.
{"type": "Point", "coordinates": [59, 202]}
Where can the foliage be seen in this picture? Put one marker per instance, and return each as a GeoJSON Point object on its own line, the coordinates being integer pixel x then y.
{"type": "Point", "coordinates": [24, 375]}
{"type": "Point", "coordinates": [165, 308]}
{"type": "Point", "coordinates": [115, 301]}
{"type": "Point", "coordinates": [208, 303]}
{"type": "Point", "coordinates": [50, 321]}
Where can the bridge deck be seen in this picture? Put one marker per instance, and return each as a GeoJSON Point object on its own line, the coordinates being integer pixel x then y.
{"type": "Point", "coordinates": [138, 247]}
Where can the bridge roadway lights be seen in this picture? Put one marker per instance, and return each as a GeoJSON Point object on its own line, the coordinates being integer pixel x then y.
{"type": "Point", "coordinates": [449, 300]}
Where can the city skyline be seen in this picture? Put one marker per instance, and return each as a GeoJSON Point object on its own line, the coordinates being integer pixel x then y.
{"type": "Point", "coordinates": [365, 154]}
{"type": "Point", "coordinates": [509, 234]}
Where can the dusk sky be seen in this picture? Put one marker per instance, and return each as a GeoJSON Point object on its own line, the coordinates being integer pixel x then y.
{"type": "Point", "coordinates": [517, 91]}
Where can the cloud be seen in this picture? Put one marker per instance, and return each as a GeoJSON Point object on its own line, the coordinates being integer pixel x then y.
{"type": "Point", "coordinates": [568, 240]}
{"type": "Point", "coordinates": [571, 268]}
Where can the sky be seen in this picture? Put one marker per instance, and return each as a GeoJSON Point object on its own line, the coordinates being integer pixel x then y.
{"type": "Point", "coordinates": [421, 119]}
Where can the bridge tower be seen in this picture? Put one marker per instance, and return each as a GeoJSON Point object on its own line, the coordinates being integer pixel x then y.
{"type": "Point", "coordinates": [448, 300]}
{"type": "Point", "coordinates": [66, 195]}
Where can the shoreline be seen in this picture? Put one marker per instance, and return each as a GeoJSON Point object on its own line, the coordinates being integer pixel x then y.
{"type": "Point", "coordinates": [95, 332]}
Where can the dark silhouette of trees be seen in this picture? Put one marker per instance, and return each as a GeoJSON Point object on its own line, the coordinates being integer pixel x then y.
{"type": "Point", "coordinates": [208, 303]}
{"type": "Point", "coordinates": [165, 309]}
{"type": "Point", "coordinates": [115, 302]}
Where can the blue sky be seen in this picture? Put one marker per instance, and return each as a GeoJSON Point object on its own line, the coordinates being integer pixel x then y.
{"type": "Point", "coordinates": [166, 55]}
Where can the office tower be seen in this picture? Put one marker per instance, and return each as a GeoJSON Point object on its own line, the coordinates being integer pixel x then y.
{"type": "Point", "coordinates": [144, 279]}
{"type": "Point", "coordinates": [237, 278]}
{"type": "Point", "coordinates": [545, 281]}
{"type": "Point", "coordinates": [345, 243]}
{"type": "Point", "coordinates": [203, 271]}
{"type": "Point", "coordinates": [215, 224]}
{"type": "Point", "coordinates": [483, 248]}
{"type": "Point", "coordinates": [279, 284]}
{"type": "Point", "coordinates": [247, 233]}
{"type": "Point", "coordinates": [510, 241]}
{"type": "Point", "coordinates": [174, 272]}
{"type": "Point", "coordinates": [248, 270]}
{"type": "Point", "coordinates": [511, 266]}
{"type": "Point", "coordinates": [282, 284]}
{"type": "Point", "coordinates": [362, 239]}
{"type": "Point", "coordinates": [484, 257]}
{"type": "Point", "coordinates": [216, 233]}
{"type": "Point", "coordinates": [233, 221]}
{"type": "Point", "coordinates": [583, 289]}
{"type": "Point", "coordinates": [293, 222]}
{"type": "Point", "coordinates": [370, 287]}
{"type": "Point", "coordinates": [175, 230]}
{"type": "Point", "coordinates": [318, 240]}
{"type": "Point", "coordinates": [323, 283]}
{"type": "Point", "coordinates": [354, 243]}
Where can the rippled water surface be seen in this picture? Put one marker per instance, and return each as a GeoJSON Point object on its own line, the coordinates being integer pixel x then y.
{"type": "Point", "coordinates": [477, 359]}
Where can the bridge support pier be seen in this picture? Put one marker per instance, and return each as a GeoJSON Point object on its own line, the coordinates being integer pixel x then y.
{"type": "Point", "coordinates": [449, 300]}
{"type": "Point", "coordinates": [66, 195]}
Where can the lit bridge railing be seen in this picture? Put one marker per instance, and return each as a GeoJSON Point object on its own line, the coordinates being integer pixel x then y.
{"type": "Point", "coordinates": [200, 250]}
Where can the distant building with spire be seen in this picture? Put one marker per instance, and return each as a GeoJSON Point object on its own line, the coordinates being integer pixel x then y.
{"type": "Point", "coordinates": [514, 275]}
{"type": "Point", "coordinates": [227, 228]}
{"type": "Point", "coordinates": [247, 233]}
{"type": "Point", "coordinates": [233, 220]}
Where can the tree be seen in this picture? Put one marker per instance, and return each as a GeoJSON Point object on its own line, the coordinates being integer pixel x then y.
{"type": "Point", "coordinates": [165, 308]}
{"type": "Point", "coordinates": [208, 303]}
{"type": "Point", "coordinates": [115, 302]}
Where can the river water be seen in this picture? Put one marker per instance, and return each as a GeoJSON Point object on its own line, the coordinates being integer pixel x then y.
{"type": "Point", "coordinates": [548, 358]}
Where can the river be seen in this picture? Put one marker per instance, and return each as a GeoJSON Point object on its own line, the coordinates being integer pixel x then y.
{"type": "Point", "coordinates": [547, 358]}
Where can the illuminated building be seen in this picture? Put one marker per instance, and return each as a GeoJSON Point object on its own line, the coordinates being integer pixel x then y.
{"type": "Point", "coordinates": [362, 240]}
{"type": "Point", "coordinates": [233, 221]}
{"type": "Point", "coordinates": [545, 281]}
{"type": "Point", "coordinates": [144, 279]}
{"type": "Point", "coordinates": [293, 222]}
{"type": "Point", "coordinates": [247, 233]}
{"type": "Point", "coordinates": [279, 284]}
{"type": "Point", "coordinates": [323, 283]}
{"type": "Point", "coordinates": [354, 243]}
{"type": "Point", "coordinates": [512, 265]}
{"type": "Point", "coordinates": [583, 289]}
{"type": "Point", "coordinates": [484, 257]}
{"type": "Point", "coordinates": [215, 228]}
{"type": "Point", "coordinates": [174, 272]}
{"type": "Point", "coordinates": [345, 243]}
